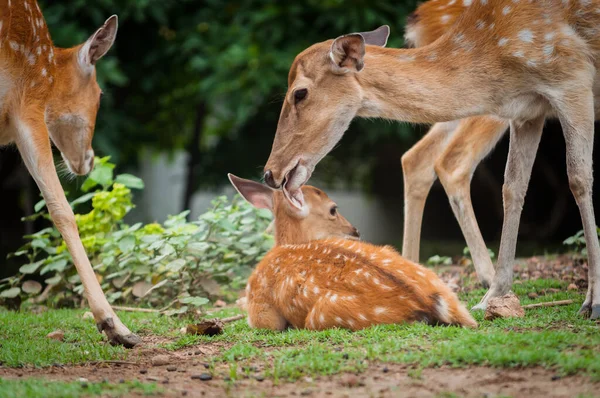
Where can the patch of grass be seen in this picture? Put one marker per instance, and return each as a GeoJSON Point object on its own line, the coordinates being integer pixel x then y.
{"type": "Point", "coordinates": [551, 337]}
{"type": "Point", "coordinates": [35, 388]}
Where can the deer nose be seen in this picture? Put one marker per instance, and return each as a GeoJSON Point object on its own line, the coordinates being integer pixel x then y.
{"type": "Point", "coordinates": [269, 180]}
{"type": "Point", "coordinates": [356, 232]}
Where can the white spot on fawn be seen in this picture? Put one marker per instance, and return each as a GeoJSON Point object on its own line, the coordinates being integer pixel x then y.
{"type": "Point", "coordinates": [379, 310]}
{"type": "Point", "coordinates": [333, 298]}
{"type": "Point", "coordinates": [506, 10]}
{"type": "Point", "coordinates": [322, 319]}
{"type": "Point", "coordinates": [362, 317]}
{"type": "Point", "coordinates": [445, 18]}
{"type": "Point", "coordinates": [525, 35]}
{"type": "Point", "coordinates": [502, 41]}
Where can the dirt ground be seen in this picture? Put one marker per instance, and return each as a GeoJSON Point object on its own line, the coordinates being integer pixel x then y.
{"type": "Point", "coordinates": [180, 376]}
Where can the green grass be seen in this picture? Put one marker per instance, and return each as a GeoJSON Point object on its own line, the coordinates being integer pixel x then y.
{"type": "Point", "coordinates": [40, 388]}
{"type": "Point", "coordinates": [551, 337]}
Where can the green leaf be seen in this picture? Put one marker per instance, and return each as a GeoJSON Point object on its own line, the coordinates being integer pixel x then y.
{"type": "Point", "coordinates": [130, 181]}
{"type": "Point", "coordinates": [58, 266]}
{"type": "Point", "coordinates": [102, 174]}
{"type": "Point", "coordinates": [176, 265]}
{"type": "Point", "coordinates": [39, 205]}
{"type": "Point", "coordinates": [11, 293]}
{"type": "Point", "coordinates": [197, 301]}
{"type": "Point", "coordinates": [127, 243]}
{"type": "Point", "coordinates": [83, 199]}
{"type": "Point", "coordinates": [31, 287]}
{"type": "Point", "coordinates": [31, 268]}
{"type": "Point", "coordinates": [54, 280]}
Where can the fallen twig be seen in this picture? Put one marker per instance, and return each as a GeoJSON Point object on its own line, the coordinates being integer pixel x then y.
{"type": "Point", "coordinates": [111, 362]}
{"type": "Point", "coordinates": [548, 304]}
{"type": "Point", "coordinates": [133, 309]}
{"type": "Point", "coordinates": [233, 318]}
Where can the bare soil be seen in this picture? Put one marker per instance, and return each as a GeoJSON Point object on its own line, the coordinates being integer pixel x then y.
{"type": "Point", "coordinates": [179, 377]}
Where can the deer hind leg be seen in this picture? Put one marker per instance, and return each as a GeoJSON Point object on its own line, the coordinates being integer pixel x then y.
{"type": "Point", "coordinates": [524, 141]}
{"type": "Point", "coordinates": [577, 120]}
{"type": "Point", "coordinates": [419, 176]}
{"type": "Point", "coordinates": [472, 141]}
{"type": "Point", "coordinates": [34, 145]}
{"type": "Point", "coordinates": [265, 316]}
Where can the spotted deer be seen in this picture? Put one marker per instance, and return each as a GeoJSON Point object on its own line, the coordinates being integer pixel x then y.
{"type": "Point", "coordinates": [319, 276]}
{"type": "Point", "coordinates": [517, 60]}
{"type": "Point", "coordinates": [450, 151]}
{"type": "Point", "coordinates": [50, 94]}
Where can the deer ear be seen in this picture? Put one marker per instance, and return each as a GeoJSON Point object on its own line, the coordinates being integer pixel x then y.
{"type": "Point", "coordinates": [98, 44]}
{"type": "Point", "coordinates": [257, 194]}
{"type": "Point", "coordinates": [377, 37]}
{"type": "Point", "coordinates": [348, 52]}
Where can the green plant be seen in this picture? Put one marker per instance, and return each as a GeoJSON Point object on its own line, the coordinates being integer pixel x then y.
{"type": "Point", "coordinates": [467, 252]}
{"type": "Point", "coordinates": [576, 243]}
{"type": "Point", "coordinates": [177, 265]}
{"type": "Point", "coordinates": [439, 260]}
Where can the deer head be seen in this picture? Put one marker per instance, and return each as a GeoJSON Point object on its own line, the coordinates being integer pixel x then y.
{"type": "Point", "coordinates": [75, 98]}
{"type": "Point", "coordinates": [299, 216]}
{"type": "Point", "coordinates": [323, 97]}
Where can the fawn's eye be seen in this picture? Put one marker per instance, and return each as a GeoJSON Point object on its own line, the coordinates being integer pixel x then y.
{"type": "Point", "coordinates": [300, 94]}
{"type": "Point", "coordinates": [333, 211]}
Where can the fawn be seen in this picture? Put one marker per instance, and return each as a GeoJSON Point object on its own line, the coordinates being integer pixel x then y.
{"type": "Point", "coordinates": [516, 60]}
{"type": "Point", "coordinates": [320, 276]}
{"type": "Point", "coordinates": [51, 94]}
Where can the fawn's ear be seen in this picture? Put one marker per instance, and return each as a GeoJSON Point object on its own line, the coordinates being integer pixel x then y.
{"type": "Point", "coordinates": [377, 37]}
{"type": "Point", "coordinates": [98, 44]}
{"type": "Point", "coordinates": [347, 53]}
{"type": "Point", "coordinates": [257, 194]}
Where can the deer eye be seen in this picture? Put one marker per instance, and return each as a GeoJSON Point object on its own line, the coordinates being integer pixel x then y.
{"type": "Point", "coordinates": [333, 211]}
{"type": "Point", "coordinates": [300, 94]}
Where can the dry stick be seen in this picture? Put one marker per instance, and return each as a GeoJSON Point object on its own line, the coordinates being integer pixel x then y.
{"type": "Point", "coordinates": [111, 362]}
{"type": "Point", "coordinates": [233, 318]}
{"type": "Point", "coordinates": [548, 304]}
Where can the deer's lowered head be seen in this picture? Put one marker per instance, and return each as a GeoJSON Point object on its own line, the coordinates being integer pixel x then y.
{"type": "Point", "coordinates": [323, 97]}
{"type": "Point", "coordinates": [300, 216]}
{"type": "Point", "coordinates": [74, 99]}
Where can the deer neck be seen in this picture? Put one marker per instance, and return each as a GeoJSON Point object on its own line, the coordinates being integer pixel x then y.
{"type": "Point", "coordinates": [288, 231]}
{"type": "Point", "coordinates": [422, 85]}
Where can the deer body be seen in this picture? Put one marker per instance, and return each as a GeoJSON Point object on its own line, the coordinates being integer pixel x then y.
{"type": "Point", "coordinates": [348, 284]}
{"type": "Point", "coordinates": [51, 94]}
{"type": "Point", "coordinates": [516, 60]}
{"type": "Point", "coordinates": [319, 276]}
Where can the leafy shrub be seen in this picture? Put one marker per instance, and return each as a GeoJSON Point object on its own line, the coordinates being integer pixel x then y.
{"type": "Point", "coordinates": [178, 265]}
{"type": "Point", "coordinates": [576, 243]}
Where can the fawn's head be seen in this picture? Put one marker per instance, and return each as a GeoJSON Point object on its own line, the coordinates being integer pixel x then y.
{"type": "Point", "coordinates": [75, 98]}
{"type": "Point", "coordinates": [299, 216]}
{"type": "Point", "coordinates": [323, 97]}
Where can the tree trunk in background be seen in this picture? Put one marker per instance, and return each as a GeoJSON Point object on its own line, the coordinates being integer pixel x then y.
{"type": "Point", "coordinates": [193, 156]}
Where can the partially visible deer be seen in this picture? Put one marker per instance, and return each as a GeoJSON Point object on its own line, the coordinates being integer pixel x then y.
{"type": "Point", "coordinates": [319, 276]}
{"type": "Point", "coordinates": [516, 60]}
{"type": "Point", "coordinates": [51, 94]}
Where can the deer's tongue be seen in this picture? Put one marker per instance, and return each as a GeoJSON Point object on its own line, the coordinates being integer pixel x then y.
{"type": "Point", "coordinates": [293, 184]}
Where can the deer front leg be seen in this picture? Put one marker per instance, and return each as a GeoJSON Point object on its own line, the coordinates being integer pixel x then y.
{"type": "Point", "coordinates": [419, 176]}
{"type": "Point", "coordinates": [576, 118]}
{"type": "Point", "coordinates": [472, 141]}
{"type": "Point", "coordinates": [524, 141]}
{"type": "Point", "coordinates": [34, 144]}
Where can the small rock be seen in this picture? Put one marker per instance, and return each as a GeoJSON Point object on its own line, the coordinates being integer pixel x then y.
{"type": "Point", "coordinates": [143, 371]}
{"type": "Point", "coordinates": [345, 356]}
{"type": "Point", "coordinates": [87, 315]}
{"type": "Point", "coordinates": [506, 306]}
{"type": "Point", "coordinates": [555, 377]}
{"type": "Point", "coordinates": [532, 295]}
{"type": "Point", "coordinates": [121, 381]}
{"type": "Point", "coordinates": [553, 290]}
{"type": "Point", "coordinates": [572, 286]}
{"type": "Point", "coordinates": [152, 378]}
{"type": "Point", "coordinates": [198, 352]}
{"type": "Point", "coordinates": [184, 393]}
{"type": "Point", "coordinates": [56, 335]}
{"type": "Point", "coordinates": [171, 368]}
{"type": "Point", "coordinates": [220, 303]}
{"type": "Point", "coordinates": [385, 369]}
{"type": "Point", "coordinates": [306, 392]}
{"type": "Point", "coordinates": [183, 330]}
{"type": "Point", "coordinates": [206, 366]}
{"type": "Point", "coordinates": [260, 378]}
{"type": "Point", "coordinates": [350, 381]}
{"type": "Point", "coordinates": [202, 376]}
{"type": "Point", "coordinates": [82, 380]}
{"type": "Point", "coordinates": [159, 360]}
{"type": "Point", "coordinates": [165, 381]}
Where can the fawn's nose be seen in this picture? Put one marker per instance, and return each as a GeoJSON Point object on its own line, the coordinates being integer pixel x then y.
{"type": "Point", "coordinates": [356, 233]}
{"type": "Point", "coordinates": [269, 180]}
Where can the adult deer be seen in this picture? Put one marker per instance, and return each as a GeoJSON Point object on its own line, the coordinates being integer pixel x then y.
{"type": "Point", "coordinates": [49, 93]}
{"type": "Point", "coordinates": [450, 150]}
{"type": "Point", "coordinates": [517, 60]}
{"type": "Point", "coordinates": [318, 276]}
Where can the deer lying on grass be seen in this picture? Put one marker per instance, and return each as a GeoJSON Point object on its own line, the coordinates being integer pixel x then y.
{"type": "Point", "coordinates": [49, 93]}
{"type": "Point", "coordinates": [517, 60]}
{"type": "Point", "coordinates": [319, 276]}
{"type": "Point", "coordinates": [450, 151]}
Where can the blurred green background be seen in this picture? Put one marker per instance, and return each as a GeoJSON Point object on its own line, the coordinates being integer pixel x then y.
{"type": "Point", "coordinates": [207, 78]}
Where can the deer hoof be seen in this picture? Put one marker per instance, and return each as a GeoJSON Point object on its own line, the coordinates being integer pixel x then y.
{"type": "Point", "coordinates": [127, 339]}
{"type": "Point", "coordinates": [595, 313]}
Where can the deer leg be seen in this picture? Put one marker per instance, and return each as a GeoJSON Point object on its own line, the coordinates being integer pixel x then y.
{"type": "Point", "coordinates": [473, 140]}
{"type": "Point", "coordinates": [419, 176]}
{"type": "Point", "coordinates": [576, 118]}
{"type": "Point", "coordinates": [524, 141]}
{"type": "Point", "coordinates": [265, 316]}
{"type": "Point", "coordinates": [34, 144]}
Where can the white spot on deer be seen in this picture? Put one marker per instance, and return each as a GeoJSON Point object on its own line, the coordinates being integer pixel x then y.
{"type": "Point", "coordinates": [408, 58]}
{"type": "Point", "coordinates": [451, 2]}
{"type": "Point", "coordinates": [421, 273]}
{"type": "Point", "coordinates": [506, 10]}
{"type": "Point", "coordinates": [14, 45]}
{"type": "Point", "coordinates": [525, 35]}
{"type": "Point", "coordinates": [585, 3]}
{"type": "Point", "coordinates": [380, 310]}
{"type": "Point", "coordinates": [387, 261]}
{"type": "Point", "coordinates": [480, 24]}
{"type": "Point", "coordinates": [333, 298]}
{"type": "Point", "coordinates": [442, 309]}
{"type": "Point", "coordinates": [531, 63]}
{"type": "Point", "coordinates": [31, 59]}
{"type": "Point", "coordinates": [362, 317]}
{"type": "Point", "coordinates": [367, 275]}
{"type": "Point", "coordinates": [38, 50]}
{"type": "Point", "coordinates": [549, 36]}
{"type": "Point", "coordinates": [431, 57]}
{"type": "Point", "coordinates": [339, 320]}
{"type": "Point", "coordinates": [322, 319]}
{"type": "Point", "coordinates": [518, 54]}
{"type": "Point", "coordinates": [445, 18]}
{"type": "Point", "coordinates": [492, 26]}
{"type": "Point", "coordinates": [376, 281]}
{"type": "Point", "coordinates": [358, 271]}
{"type": "Point", "coordinates": [316, 290]}
{"type": "Point", "coordinates": [350, 322]}
{"type": "Point", "coordinates": [548, 50]}
{"type": "Point", "coordinates": [32, 84]}
{"type": "Point", "coordinates": [502, 41]}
